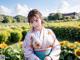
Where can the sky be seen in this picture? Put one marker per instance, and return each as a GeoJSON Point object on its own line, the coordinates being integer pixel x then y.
{"type": "Point", "coordinates": [22, 7]}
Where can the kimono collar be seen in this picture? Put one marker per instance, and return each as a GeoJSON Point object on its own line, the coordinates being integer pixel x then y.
{"type": "Point", "coordinates": [41, 33]}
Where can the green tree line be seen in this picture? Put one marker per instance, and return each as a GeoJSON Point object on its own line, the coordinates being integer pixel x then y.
{"type": "Point", "coordinates": [11, 19]}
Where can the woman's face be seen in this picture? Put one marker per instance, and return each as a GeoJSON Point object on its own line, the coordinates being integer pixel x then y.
{"type": "Point", "coordinates": [36, 21]}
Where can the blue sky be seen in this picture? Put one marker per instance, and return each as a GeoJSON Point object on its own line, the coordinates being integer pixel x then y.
{"type": "Point", "coordinates": [22, 7]}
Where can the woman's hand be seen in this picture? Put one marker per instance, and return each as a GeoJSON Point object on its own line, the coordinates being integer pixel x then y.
{"type": "Point", "coordinates": [47, 58]}
{"type": "Point", "coordinates": [36, 58]}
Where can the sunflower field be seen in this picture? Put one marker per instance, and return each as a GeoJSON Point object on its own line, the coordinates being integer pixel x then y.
{"type": "Point", "coordinates": [12, 36]}
{"type": "Point", "coordinates": [70, 51]}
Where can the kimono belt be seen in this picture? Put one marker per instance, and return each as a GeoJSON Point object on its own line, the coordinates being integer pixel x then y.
{"type": "Point", "coordinates": [42, 53]}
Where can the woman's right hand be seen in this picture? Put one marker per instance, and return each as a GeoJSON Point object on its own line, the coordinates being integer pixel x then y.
{"type": "Point", "coordinates": [34, 58]}
{"type": "Point", "coordinates": [37, 58]}
{"type": "Point", "coordinates": [47, 58]}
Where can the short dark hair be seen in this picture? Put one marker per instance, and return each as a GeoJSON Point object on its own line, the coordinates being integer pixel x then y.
{"type": "Point", "coordinates": [33, 13]}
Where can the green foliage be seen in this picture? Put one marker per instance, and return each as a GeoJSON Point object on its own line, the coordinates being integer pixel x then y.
{"type": "Point", "coordinates": [14, 30]}
{"type": "Point", "coordinates": [13, 52]}
{"type": "Point", "coordinates": [11, 19]}
{"type": "Point", "coordinates": [24, 32]}
{"type": "Point", "coordinates": [17, 28]}
{"type": "Point", "coordinates": [8, 19]}
{"type": "Point", "coordinates": [68, 18]}
{"type": "Point", "coordinates": [15, 36]}
{"type": "Point", "coordinates": [69, 30]}
{"type": "Point", "coordinates": [70, 33]}
{"type": "Point", "coordinates": [4, 35]}
{"type": "Point", "coordinates": [69, 50]}
{"type": "Point", "coordinates": [20, 18]}
{"type": "Point", "coordinates": [55, 16]}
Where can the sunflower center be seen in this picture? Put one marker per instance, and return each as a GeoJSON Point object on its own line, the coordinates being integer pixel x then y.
{"type": "Point", "coordinates": [78, 53]}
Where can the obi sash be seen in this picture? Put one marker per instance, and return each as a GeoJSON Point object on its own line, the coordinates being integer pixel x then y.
{"type": "Point", "coordinates": [43, 53]}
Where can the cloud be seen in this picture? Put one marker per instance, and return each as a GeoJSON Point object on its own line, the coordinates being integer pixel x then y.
{"type": "Point", "coordinates": [19, 10]}
{"type": "Point", "coordinates": [45, 12]}
{"type": "Point", "coordinates": [75, 8]}
{"type": "Point", "coordinates": [4, 10]}
{"type": "Point", "coordinates": [22, 9]}
{"type": "Point", "coordinates": [66, 7]}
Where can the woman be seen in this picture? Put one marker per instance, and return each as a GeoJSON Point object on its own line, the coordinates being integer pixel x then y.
{"type": "Point", "coordinates": [40, 43]}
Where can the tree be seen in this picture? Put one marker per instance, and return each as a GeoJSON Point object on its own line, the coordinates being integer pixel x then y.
{"type": "Point", "coordinates": [51, 16]}
{"type": "Point", "coordinates": [20, 18]}
{"type": "Point", "coordinates": [58, 16]}
{"type": "Point", "coordinates": [55, 16]}
{"type": "Point", "coordinates": [8, 19]}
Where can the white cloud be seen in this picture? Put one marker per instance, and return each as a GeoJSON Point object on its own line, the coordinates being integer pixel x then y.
{"type": "Point", "coordinates": [4, 10]}
{"type": "Point", "coordinates": [66, 7]}
{"type": "Point", "coordinates": [19, 10]}
{"type": "Point", "coordinates": [22, 9]}
{"type": "Point", "coordinates": [47, 11]}
{"type": "Point", "coordinates": [75, 8]}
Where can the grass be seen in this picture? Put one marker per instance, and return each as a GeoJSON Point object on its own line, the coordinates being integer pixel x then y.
{"type": "Point", "coordinates": [66, 24]}
{"type": "Point", "coordinates": [46, 24]}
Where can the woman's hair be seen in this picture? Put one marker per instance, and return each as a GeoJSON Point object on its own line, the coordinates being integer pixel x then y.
{"type": "Point", "coordinates": [33, 13]}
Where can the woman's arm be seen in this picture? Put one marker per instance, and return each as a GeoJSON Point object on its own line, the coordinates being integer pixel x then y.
{"type": "Point", "coordinates": [55, 53]}
{"type": "Point", "coordinates": [28, 50]}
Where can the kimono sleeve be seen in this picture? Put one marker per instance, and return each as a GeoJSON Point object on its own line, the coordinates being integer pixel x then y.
{"type": "Point", "coordinates": [27, 49]}
{"type": "Point", "coordinates": [55, 53]}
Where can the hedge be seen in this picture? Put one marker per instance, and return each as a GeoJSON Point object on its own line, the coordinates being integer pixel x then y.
{"type": "Point", "coordinates": [67, 33]}
{"type": "Point", "coordinates": [15, 36]}
{"type": "Point", "coordinates": [4, 35]}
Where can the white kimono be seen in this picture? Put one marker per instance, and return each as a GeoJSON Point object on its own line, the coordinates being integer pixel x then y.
{"type": "Point", "coordinates": [40, 41]}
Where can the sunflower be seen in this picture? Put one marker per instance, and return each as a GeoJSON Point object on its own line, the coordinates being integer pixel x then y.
{"type": "Point", "coordinates": [71, 45]}
{"type": "Point", "coordinates": [63, 43]}
{"type": "Point", "coordinates": [77, 52]}
{"type": "Point", "coordinates": [3, 45]}
{"type": "Point", "coordinates": [77, 43]}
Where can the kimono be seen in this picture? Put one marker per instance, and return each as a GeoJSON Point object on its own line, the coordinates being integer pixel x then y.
{"type": "Point", "coordinates": [37, 45]}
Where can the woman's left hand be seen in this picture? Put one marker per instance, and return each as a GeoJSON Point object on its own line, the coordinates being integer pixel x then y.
{"type": "Point", "coordinates": [47, 58]}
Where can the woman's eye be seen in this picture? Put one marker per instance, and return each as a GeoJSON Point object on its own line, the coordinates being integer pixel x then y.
{"type": "Point", "coordinates": [36, 20]}
{"type": "Point", "coordinates": [33, 21]}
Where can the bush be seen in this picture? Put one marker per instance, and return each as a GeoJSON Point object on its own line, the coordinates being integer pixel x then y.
{"type": "Point", "coordinates": [16, 28]}
{"type": "Point", "coordinates": [24, 33]}
{"type": "Point", "coordinates": [4, 35]}
{"type": "Point", "coordinates": [13, 52]}
{"type": "Point", "coordinates": [24, 27]}
{"type": "Point", "coordinates": [16, 36]}
{"type": "Point", "coordinates": [69, 33]}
